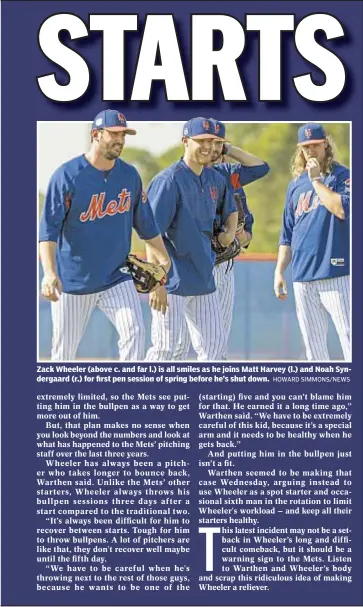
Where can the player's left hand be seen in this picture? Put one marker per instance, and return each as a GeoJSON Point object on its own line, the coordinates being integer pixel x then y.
{"type": "Point", "coordinates": [313, 168]}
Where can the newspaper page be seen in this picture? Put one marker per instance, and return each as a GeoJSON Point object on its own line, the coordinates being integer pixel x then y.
{"type": "Point", "coordinates": [181, 385]}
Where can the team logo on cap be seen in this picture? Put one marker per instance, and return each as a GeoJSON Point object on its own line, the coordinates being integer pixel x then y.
{"type": "Point", "coordinates": [121, 117]}
{"type": "Point", "coordinates": [185, 131]}
{"type": "Point", "coordinates": [206, 125]}
{"type": "Point", "coordinates": [217, 129]}
{"type": "Point", "coordinates": [308, 133]}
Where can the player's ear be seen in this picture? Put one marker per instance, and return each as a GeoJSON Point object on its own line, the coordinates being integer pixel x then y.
{"type": "Point", "coordinates": [95, 135]}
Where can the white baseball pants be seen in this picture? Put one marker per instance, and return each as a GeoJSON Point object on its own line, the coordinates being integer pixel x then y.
{"type": "Point", "coordinates": [121, 305]}
{"type": "Point", "coordinates": [201, 313]}
{"type": "Point", "coordinates": [316, 300]}
{"type": "Point", "coordinates": [224, 279]}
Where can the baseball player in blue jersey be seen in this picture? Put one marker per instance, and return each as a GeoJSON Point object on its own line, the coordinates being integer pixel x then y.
{"type": "Point", "coordinates": [185, 199]}
{"type": "Point", "coordinates": [91, 205]}
{"type": "Point", "coordinates": [315, 237]}
{"type": "Point", "coordinates": [245, 169]}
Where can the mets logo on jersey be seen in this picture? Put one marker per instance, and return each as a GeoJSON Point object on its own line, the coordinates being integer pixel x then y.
{"type": "Point", "coordinates": [235, 182]}
{"type": "Point", "coordinates": [347, 186]}
{"type": "Point", "coordinates": [307, 133]}
{"type": "Point", "coordinates": [206, 125]}
{"type": "Point", "coordinates": [96, 209]}
{"type": "Point", "coordinates": [306, 203]}
{"type": "Point", "coordinates": [213, 193]}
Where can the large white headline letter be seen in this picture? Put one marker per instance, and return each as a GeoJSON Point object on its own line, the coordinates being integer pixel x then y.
{"type": "Point", "coordinates": [160, 32]}
{"type": "Point", "coordinates": [204, 57]}
{"type": "Point", "coordinates": [113, 27]}
{"type": "Point", "coordinates": [329, 63]}
{"type": "Point", "coordinates": [68, 59]}
{"type": "Point", "coordinates": [270, 28]}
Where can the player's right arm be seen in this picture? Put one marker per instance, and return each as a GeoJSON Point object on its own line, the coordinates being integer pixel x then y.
{"type": "Point", "coordinates": [284, 254]}
{"type": "Point", "coordinates": [283, 260]}
{"type": "Point", "coordinates": [146, 227]}
{"type": "Point", "coordinates": [162, 194]}
{"type": "Point", "coordinates": [51, 286]}
{"type": "Point", "coordinates": [51, 222]}
{"type": "Point", "coordinates": [163, 197]}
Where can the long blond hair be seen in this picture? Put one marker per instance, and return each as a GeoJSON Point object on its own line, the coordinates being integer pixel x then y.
{"type": "Point", "coordinates": [298, 162]}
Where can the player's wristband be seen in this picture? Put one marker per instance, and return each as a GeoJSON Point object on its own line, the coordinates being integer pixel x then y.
{"type": "Point", "coordinates": [227, 148]}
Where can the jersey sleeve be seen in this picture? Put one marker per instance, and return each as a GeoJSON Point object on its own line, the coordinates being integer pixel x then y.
{"type": "Point", "coordinates": [343, 188]}
{"type": "Point", "coordinates": [239, 191]}
{"type": "Point", "coordinates": [288, 220]}
{"type": "Point", "coordinates": [56, 204]}
{"type": "Point", "coordinates": [242, 175]}
{"type": "Point", "coordinates": [249, 219]}
{"type": "Point", "coordinates": [227, 204]}
{"type": "Point", "coordinates": [163, 196]}
{"type": "Point", "coordinates": [143, 218]}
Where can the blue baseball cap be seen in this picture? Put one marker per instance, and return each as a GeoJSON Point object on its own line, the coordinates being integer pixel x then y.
{"type": "Point", "coordinates": [112, 121]}
{"type": "Point", "coordinates": [219, 128]}
{"type": "Point", "coordinates": [199, 128]}
{"type": "Point", "coordinates": [310, 133]}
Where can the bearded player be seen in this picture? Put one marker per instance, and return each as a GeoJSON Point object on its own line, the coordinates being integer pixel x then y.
{"type": "Point", "coordinates": [315, 237]}
{"type": "Point", "coordinates": [92, 203]}
{"type": "Point", "coordinates": [244, 169]}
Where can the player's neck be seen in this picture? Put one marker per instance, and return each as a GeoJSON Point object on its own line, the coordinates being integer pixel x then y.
{"type": "Point", "coordinates": [193, 166]}
{"type": "Point", "coordinates": [98, 161]}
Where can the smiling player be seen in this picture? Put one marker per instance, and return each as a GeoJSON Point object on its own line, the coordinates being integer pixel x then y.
{"type": "Point", "coordinates": [91, 205]}
{"type": "Point", "coordinates": [185, 199]}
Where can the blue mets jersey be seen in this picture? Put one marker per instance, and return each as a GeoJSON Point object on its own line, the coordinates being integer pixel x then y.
{"type": "Point", "coordinates": [90, 214]}
{"type": "Point", "coordinates": [238, 176]}
{"type": "Point", "coordinates": [319, 240]}
{"type": "Point", "coordinates": [184, 206]}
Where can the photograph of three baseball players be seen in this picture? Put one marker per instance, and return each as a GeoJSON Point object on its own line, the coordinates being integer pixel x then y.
{"type": "Point", "coordinates": [194, 220]}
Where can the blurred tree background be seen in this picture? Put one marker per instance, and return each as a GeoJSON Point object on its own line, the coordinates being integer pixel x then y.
{"type": "Point", "coordinates": [273, 142]}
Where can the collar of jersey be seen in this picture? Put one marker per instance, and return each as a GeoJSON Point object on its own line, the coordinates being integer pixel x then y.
{"type": "Point", "coordinates": [98, 171]}
{"type": "Point", "coordinates": [190, 170]}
